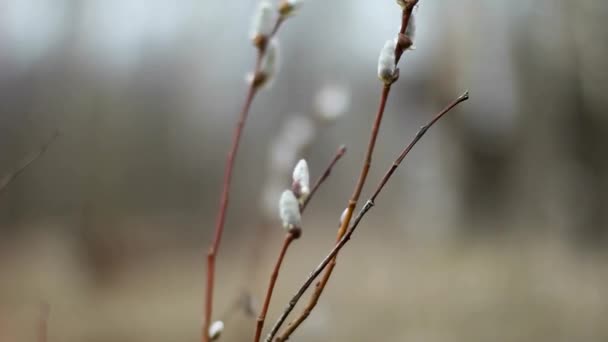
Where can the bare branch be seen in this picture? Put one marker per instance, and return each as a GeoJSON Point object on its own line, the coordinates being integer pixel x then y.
{"type": "Point", "coordinates": [368, 205]}
{"type": "Point", "coordinates": [26, 162]}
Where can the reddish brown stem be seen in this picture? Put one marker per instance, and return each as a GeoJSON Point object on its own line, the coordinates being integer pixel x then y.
{"type": "Point", "coordinates": [320, 286]}
{"type": "Point", "coordinates": [324, 176]}
{"type": "Point", "coordinates": [273, 279]}
{"type": "Point", "coordinates": [352, 203]}
{"type": "Point", "coordinates": [228, 171]}
{"type": "Point", "coordinates": [368, 205]}
{"type": "Point", "coordinates": [421, 132]}
{"type": "Point", "coordinates": [221, 218]}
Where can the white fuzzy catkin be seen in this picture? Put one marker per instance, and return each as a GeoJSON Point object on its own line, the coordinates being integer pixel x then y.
{"type": "Point", "coordinates": [270, 62]}
{"type": "Point", "coordinates": [263, 20]}
{"type": "Point", "coordinates": [386, 62]}
{"type": "Point", "coordinates": [289, 210]}
{"type": "Point", "coordinates": [287, 7]}
{"type": "Point", "coordinates": [343, 216]}
{"type": "Point", "coordinates": [215, 330]}
{"type": "Point", "coordinates": [301, 178]}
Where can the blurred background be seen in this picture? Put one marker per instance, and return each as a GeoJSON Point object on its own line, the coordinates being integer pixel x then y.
{"type": "Point", "coordinates": [494, 228]}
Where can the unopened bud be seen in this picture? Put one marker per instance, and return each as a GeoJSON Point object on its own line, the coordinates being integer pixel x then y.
{"type": "Point", "coordinates": [386, 63]}
{"type": "Point", "coordinates": [343, 216]}
{"type": "Point", "coordinates": [269, 64]}
{"type": "Point", "coordinates": [215, 330]}
{"type": "Point", "coordinates": [301, 180]}
{"type": "Point", "coordinates": [287, 7]}
{"type": "Point", "coordinates": [263, 22]}
{"type": "Point", "coordinates": [289, 211]}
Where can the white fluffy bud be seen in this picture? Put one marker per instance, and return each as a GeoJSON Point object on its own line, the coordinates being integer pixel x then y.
{"type": "Point", "coordinates": [343, 216]}
{"type": "Point", "coordinates": [287, 7]}
{"type": "Point", "coordinates": [289, 211]}
{"type": "Point", "coordinates": [215, 330]}
{"type": "Point", "coordinates": [269, 64]}
{"type": "Point", "coordinates": [386, 62]}
{"type": "Point", "coordinates": [410, 31]}
{"type": "Point", "coordinates": [301, 180]}
{"type": "Point", "coordinates": [263, 20]}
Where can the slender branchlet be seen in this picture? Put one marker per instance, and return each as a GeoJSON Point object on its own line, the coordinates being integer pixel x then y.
{"type": "Point", "coordinates": [290, 213]}
{"type": "Point", "coordinates": [263, 32]}
{"type": "Point", "coordinates": [328, 260]}
{"type": "Point", "coordinates": [339, 154]}
{"type": "Point", "coordinates": [26, 162]}
{"type": "Point", "coordinates": [289, 237]}
{"type": "Point", "coordinates": [261, 237]}
{"type": "Point", "coordinates": [388, 74]}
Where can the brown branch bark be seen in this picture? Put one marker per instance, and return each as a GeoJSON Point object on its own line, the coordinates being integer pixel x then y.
{"type": "Point", "coordinates": [403, 44]}
{"type": "Point", "coordinates": [346, 237]}
{"type": "Point", "coordinates": [273, 279]}
{"type": "Point", "coordinates": [228, 171]}
{"type": "Point", "coordinates": [324, 176]}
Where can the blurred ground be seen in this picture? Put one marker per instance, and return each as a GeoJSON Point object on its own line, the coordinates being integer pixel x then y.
{"type": "Point", "coordinates": [385, 288]}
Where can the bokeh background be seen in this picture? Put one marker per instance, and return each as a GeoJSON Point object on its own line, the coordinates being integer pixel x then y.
{"type": "Point", "coordinates": [494, 229]}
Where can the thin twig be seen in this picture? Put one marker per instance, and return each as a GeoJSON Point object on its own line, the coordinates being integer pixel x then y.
{"type": "Point", "coordinates": [11, 176]}
{"type": "Point", "coordinates": [289, 238]}
{"type": "Point", "coordinates": [228, 171]}
{"type": "Point", "coordinates": [324, 176]}
{"type": "Point", "coordinates": [368, 205]}
{"type": "Point", "coordinates": [273, 279]}
{"type": "Point", "coordinates": [352, 203]}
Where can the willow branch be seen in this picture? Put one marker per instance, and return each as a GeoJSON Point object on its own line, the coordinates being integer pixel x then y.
{"type": "Point", "coordinates": [273, 279]}
{"type": "Point", "coordinates": [368, 205]}
{"type": "Point", "coordinates": [228, 171]}
{"type": "Point", "coordinates": [339, 154]}
{"type": "Point", "coordinates": [402, 44]}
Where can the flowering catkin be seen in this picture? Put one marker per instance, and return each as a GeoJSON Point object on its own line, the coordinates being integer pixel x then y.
{"type": "Point", "coordinates": [215, 330]}
{"type": "Point", "coordinates": [269, 64]}
{"type": "Point", "coordinates": [386, 62]}
{"type": "Point", "coordinates": [287, 7]}
{"type": "Point", "coordinates": [289, 211]}
{"type": "Point", "coordinates": [301, 180]}
{"type": "Point", "coordinates": [263, 20]}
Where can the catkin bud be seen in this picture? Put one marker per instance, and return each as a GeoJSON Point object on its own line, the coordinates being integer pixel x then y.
{"type": "Point", "coordinates": [287, 7]}
{"type": "Point", "coordinates": [269, 64]}
{"type": "Point", "coordinates": [301, 180]}
{"type": "Point", "coordinates": [289, 211]}
{"type": "Point", "coordinates": [386, 62]}
{"type": "Point", "coordinates": [263, 22]}
{"type": "Point", "coordinates": [343, 216]}
{"type": "Point", "coordinates": [215, 330]}
{"type": "Point", "coordinates": [410, 31]}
